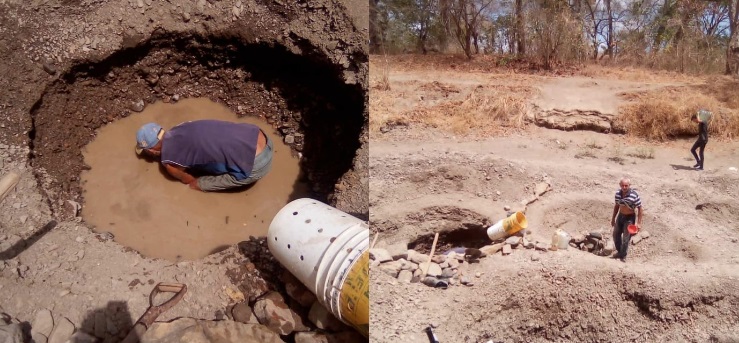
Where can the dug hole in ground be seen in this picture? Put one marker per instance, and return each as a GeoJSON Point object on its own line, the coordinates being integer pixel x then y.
{"type": "Point", "coordinates": [72, 68]}
{"type": "Point", "coordinates": [440, 163]}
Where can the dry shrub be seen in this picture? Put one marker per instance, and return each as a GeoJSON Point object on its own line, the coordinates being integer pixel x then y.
{"type": "Point", "coordinates": [724, 89]}
{"type": "Point", "coordinates": [381, 109]}
{"type": "Point", "coordinates": [484, 110]}
{"type": "Point", "coordinates": [628, 73]}
{"type": "Point", "coordinates": [665, 114]}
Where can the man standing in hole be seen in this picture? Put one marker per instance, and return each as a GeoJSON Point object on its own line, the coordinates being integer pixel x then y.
{"type": "Point", "coordinates": [209, 155]}
{"type": "Point", "coordinates": [625, 211]}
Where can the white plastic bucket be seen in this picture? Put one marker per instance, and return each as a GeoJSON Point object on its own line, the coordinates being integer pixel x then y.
{"type": "Point", "coordinates": [327, 250]}
{"type": "Point", "coordinates": [507, 226]}
{"type": "Point", "coordinates": [560, 240]}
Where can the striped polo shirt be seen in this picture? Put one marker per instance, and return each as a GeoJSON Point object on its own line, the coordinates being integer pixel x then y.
{"type": "Point", "coordinates": [630, 199]}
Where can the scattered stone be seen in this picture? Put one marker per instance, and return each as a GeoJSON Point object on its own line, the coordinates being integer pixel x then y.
{"type": "Point", "coordinates": [289, 139]}
{"type": "Point", "coordinates": [272, 312]}
{"type": "Point", "coordinates": [43, 323]}
{"type": "Point", "coordinates": [541, 246]}
{"type": "Point", "coordinates": [507, 249]}
{"type": "Point", "coordinates": [448, 273]}
{"type": "Point", "coordinates": [176, 97]}
{"type": "Point", "coordinates": [527, 243]}
{"type": "Point", "coordinates": [23, 219]}
{"type": "Point", "coordinates": [644, 234]}
{"type": "Point", "coordinates": [242, 313]}
{"type": "Point", "coordinates": [506, 208]}
{"type": "Point", "coordinates": [405, 276]}
{"type": "Point", "coordinates": [513, 240]}
{"type": "Point", "coordinates": [296, 290]}
{"type": "Point", "coordinates": [49, 67]}
{"type": "Point", "coordinates": [465, 281]}
{"type": "Point", "coordinates": [416, 257]}
{"type": "Point", "coordinates": [535, 257]}
{"type": "Point", "coordinates": [438, 259]}
{"type": "Point", "coordinates": [74, 208]}
{"type": "Point", "coordinates": [323, 319]}
{"type": "Point", "coordinates": [478, 274]}
{"type": "Point", "coordinates": [636, 239]}
{"type": "Point", "coordinates": [138, 106]}
{"type": "Point", "coordinates": [492, 249]}
{"type": "Point", "coordinates": [380, 254]}
{"type": "Point", "coordinates": [79, 239]}
{"type": "Point", "coordinates": [392, 268]}
{"type": "Point", "coordinates": [311, 337]}
{"type": "Point", "coordinates": [62, 331]}
{"type": "Point", "coordinates": [433, 268]}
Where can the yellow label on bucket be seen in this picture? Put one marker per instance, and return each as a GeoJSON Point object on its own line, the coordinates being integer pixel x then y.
{"type": "Point", "coordinates": [355, 295]}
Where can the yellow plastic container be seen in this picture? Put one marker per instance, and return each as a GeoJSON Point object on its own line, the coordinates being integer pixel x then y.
{"type": "Point", "coordinates": [508, 226]}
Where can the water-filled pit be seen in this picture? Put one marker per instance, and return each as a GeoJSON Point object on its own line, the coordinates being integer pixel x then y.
{"type": "Point", "coordinates": [304, 102]}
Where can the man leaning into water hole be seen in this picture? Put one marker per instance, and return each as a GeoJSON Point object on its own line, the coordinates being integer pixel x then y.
{"type": "Point", "coordinates": [626, 211]}
{"type": "Point", "coordinates": [209, 155]}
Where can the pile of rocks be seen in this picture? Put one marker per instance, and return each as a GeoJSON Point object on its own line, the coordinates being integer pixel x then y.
{"type": "Point", "coordinates": [272, 310]}
{"type": "Point", "coordinates": [441, 270]}
{"type": "Point", "coordinates": [595, 243]}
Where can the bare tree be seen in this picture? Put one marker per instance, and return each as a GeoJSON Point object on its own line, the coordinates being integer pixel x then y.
{"type": "Point", "coordinates": [374, 34]}
{"type": "Point", "coordinates": [464, 16]}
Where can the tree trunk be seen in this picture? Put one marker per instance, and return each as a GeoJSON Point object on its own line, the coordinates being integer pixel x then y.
{"type": "Point", "coordinates": [520, 33]}
{"type": "Point", "coordinates": [374, 28]}
{"type": "Point", "coordinates": [732, 49]}
{"type": "Point", "coordinates": [609, 47]}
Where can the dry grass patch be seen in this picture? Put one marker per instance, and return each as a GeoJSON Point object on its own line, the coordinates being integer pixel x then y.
{"type": "Point", "coordinates": [486, 109]}
{"type": "Point", "coordinates": [636, 74]}
{"type": "Point", "coordinates": [665, 113]}
{"type": "Point", "coordinates": [643, 153]}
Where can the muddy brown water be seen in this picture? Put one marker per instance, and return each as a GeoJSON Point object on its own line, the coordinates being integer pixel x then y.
{"type": "Point", "coordinates": [163, 218]}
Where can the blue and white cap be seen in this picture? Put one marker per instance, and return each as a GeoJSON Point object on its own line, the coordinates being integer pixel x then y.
{"type": "Point", "coordinates": [148, 136]}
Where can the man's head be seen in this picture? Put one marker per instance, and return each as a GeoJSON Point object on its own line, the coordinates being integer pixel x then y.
{"type": "Point", "coordinates": [148, 138]}
{"type": "Point", "coordinates": [625, 184]}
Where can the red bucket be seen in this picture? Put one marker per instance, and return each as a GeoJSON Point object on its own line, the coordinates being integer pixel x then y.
{"type": "Point", "coordinates": [633, 229]}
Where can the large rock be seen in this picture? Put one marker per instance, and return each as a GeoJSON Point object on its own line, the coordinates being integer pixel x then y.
{"type": "Point", "coordinates": [43, 323]}
{"type": "Point", "coordinates": [11, 333]}
{"type": "Point", "coordinates": [433, 268]}
{"type": "Point", "coordinates": [416, 257]}
{"type": "Point", "coordinates": [380, 254]}
{"type": "Point", "coordinates": [272, 312]}
{"type": "Point", "coordinates": [323, 319]}
{"type": "Point", "coordinates": [62, 331]}
{"type": "Point", "coordinates": [296, 290]}
{"type": "Point", "coordinates": [203, 331]}
{"type": "Point", "coordinates": [242, 313]}
{"type": "Point", "coordinates": [392, 268]}
{"type": "Point", "coordinates": [492, 249]}
{"type": "Point", "coordinates": [310, 337]}
{"type": "Point", "coordinates": [405, 276]}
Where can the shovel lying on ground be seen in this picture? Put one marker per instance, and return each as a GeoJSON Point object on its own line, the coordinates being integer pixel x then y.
{"type": "Point", "coordinates": [154, 311]}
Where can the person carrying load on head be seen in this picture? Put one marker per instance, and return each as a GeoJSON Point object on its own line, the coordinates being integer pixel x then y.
{"type": "Point", "coordinates": [702, 117]}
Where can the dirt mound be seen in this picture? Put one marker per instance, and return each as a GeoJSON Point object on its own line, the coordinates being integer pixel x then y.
{"type": "Point", "coordinates": [727, 213]}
